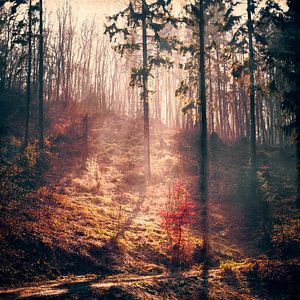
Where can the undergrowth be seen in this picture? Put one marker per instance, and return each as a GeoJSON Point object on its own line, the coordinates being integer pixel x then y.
{"type": "Point", "coordinates": [178, 214]}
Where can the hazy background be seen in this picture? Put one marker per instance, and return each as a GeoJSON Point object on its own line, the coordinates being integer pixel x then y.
{"type": "Point", "coordinates": [100, 9]}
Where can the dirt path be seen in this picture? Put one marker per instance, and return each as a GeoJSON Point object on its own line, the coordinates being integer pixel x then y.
{"type": "Point", "coordinates": [86, 286]}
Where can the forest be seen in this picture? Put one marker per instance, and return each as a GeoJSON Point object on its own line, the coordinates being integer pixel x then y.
{"type": "Point", "coordinates": [149, 149]}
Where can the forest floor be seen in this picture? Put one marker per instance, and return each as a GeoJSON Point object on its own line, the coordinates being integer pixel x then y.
{"type": "Point", "coordinates": [93, 231]}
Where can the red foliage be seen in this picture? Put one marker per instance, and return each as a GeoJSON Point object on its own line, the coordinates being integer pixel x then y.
{"type": "Point", "coordinates": [179, 213]}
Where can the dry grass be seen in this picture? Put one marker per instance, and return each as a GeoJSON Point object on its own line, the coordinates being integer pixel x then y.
{"type": "Point", "coordinates": [101, 213]}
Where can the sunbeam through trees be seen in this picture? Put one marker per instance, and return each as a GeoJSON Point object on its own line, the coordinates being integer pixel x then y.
{"type": "Point", "coordinates": [149, 149]}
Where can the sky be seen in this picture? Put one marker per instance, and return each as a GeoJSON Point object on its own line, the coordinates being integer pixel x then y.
{"type": "Point", "coordinates": [88, 8]}
{"type": "Point", "coordinates": [101, 8]}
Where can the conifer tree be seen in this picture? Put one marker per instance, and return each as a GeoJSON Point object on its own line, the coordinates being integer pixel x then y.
{"type": "Point", "coordinates": [150, 20]}
{"type": "Point", "coordinates": [287, 53]}
{"type": "Point", "coordinates": [196, 20]}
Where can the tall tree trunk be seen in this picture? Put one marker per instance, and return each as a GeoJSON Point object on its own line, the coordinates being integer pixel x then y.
{"type": "Point", "coordinates": [245, 108]}
{"type": "Point", "coordinates": [236, 110]}
{"type": "Point", "coordinates": [203, 132]}
{"type": "Point", "coordinates": [252, 88]}
{"type": "Point", "coordinates": [157, 96]}
{"type": "Point", "coordinates": [145, 95]}
{"type": "Point", "coordinates": [221, 121]}
{"type": "Point", "coordinates": [297, 110]}
{"type": "Point", "coordinates": [28, 87]}
{"type": "Point", "coordinates": [271, 109]}
{"type": "Point", "coordinates": [225, 104]}
{"type": "Point", "coordinates": [212, 127]}
{"type": "Point", "coordinates": [41, 84]}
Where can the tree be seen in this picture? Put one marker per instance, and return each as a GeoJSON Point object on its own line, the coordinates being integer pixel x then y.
{"type": "Point", "coordinates": [151, 20]}
{"type": "Point", "coordinates": [41, 83]}
{"type": "Point", "coordinates": [204, 172]}
{"type": "Point", "coordinates": [288, 55]}
{"type": "Point", "coordinates": [293, 95]}
{"type": "Point", "coordinates": [278, 42]}
{"type": "Point", "coordinates": [12, 35]}
{"type": "Point", "coordinates": [197, 22]}
{"type": "Point", "coordinates": [28, 87]}
{"type": "Point", "coordinates": [145, 92]}
{"type": "Point", "coordinates": [250, 9]}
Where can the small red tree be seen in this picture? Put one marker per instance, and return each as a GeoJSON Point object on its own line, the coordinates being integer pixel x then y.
{"type": "Point", "coordinates": [179, 213]}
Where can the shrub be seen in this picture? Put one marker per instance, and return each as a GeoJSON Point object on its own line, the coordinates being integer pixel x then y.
{"type": "Point", "coordinates": [178, 214]}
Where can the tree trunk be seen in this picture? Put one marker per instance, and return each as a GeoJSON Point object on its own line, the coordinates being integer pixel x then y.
{"type": "Point", "coordinates": [212, 127]}
{"type": "Point", "coordinates": [271, 109]}
{"type": "Point", "coordinates": [28, 87]}
{"type": "Point", "coordinates": [145, 95]}
{"type": "Point", "coordinates": [221, 122]}
{"type": "Point", "coordinates": [297, 110]}
{"type": "Point", "coordinates": [203, 132]}
{"type": "Point", "coordinates": [252, 87]}
{"type": "Point", "coordinates": [41, 84]}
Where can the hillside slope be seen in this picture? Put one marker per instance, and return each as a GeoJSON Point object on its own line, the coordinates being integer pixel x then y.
{"type": "Point", "coordinates": [95, 228]}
